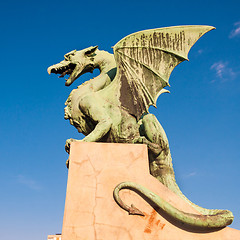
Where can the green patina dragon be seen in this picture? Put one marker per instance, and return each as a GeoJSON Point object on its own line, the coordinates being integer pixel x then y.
{"type": "Point", "coordinates": [113, 107]}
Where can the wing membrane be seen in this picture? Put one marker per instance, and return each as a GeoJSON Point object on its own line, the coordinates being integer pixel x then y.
{"type": "Point", "coordinates": [145, 61]}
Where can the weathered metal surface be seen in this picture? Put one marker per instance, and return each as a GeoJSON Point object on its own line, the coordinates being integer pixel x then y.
{"type": "Point", "coordinates": [113, 107]}
{"type": "Point", "coordinates": [146, 59]}
{"type": "Point", "coordinates": [215, 220]}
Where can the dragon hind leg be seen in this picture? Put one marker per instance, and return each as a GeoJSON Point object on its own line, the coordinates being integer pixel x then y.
{"type": "Point", "coordinates": [161, 165]}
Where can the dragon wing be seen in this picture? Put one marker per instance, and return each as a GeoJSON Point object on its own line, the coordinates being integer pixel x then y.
{"type": "Point", "coordinates": [145, 61]}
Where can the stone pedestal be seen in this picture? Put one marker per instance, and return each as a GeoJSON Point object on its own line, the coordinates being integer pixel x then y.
{"type": "Point", "coordinates": [54, 237]}
{"type": "Point", "coordinates": [91, 212]}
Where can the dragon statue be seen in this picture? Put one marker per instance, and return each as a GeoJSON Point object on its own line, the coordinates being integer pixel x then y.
{"type": "Point", "coordinates": [113, 107]}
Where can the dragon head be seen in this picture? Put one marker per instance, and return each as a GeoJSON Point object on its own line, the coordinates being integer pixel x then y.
{"type": "Point", "coordinates": [75, 64]}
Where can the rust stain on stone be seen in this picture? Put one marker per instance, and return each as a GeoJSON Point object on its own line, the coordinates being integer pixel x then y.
{"type": "Point", "coordinates": [147, 230]}
{"type": "Point", "coordinates": [153, 222]}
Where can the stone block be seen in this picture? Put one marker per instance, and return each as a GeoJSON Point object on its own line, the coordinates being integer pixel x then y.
{"type": "Point", "coordinates": [91, 212]}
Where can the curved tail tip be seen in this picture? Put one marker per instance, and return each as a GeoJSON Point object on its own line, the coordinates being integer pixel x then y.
{"type": "Point", "coordinates": [135, 211]}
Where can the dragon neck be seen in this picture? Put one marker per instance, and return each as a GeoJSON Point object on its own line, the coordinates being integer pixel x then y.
{"type": "Point", "coordinates": [104, 61]}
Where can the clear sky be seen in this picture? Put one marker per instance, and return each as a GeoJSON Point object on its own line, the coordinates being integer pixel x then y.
{"type": "Point", "coordinates": [201, 115]}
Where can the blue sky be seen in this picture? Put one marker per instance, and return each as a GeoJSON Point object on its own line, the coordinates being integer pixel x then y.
{"type": "Point", "coordinates": [201, 115]}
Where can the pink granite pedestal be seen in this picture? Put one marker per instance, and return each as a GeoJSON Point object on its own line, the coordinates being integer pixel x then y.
{"type": "Point", "coordinates": [91, 212]}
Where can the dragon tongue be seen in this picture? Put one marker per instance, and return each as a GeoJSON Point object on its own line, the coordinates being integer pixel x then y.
{"type": "Point", "coordinates": [63, 74]}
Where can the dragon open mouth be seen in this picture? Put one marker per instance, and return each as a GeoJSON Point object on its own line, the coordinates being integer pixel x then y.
{"type": "Point", "coordinates": [64, 70]}
{"type": "Point", "coordinates": [73, 70]}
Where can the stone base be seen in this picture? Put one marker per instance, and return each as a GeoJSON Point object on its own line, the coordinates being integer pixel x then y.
{"type": "Point", "coordinates": [91, 212]}
{"type": "Point", "coordinates": [54, 237]}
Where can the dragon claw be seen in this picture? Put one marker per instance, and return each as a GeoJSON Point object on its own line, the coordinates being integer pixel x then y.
{"type": "Point", "coordinates": [68, 143]}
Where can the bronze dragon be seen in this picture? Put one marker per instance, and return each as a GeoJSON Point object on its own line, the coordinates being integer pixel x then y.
{"type": "Point", "coordinates": [113, 107]}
